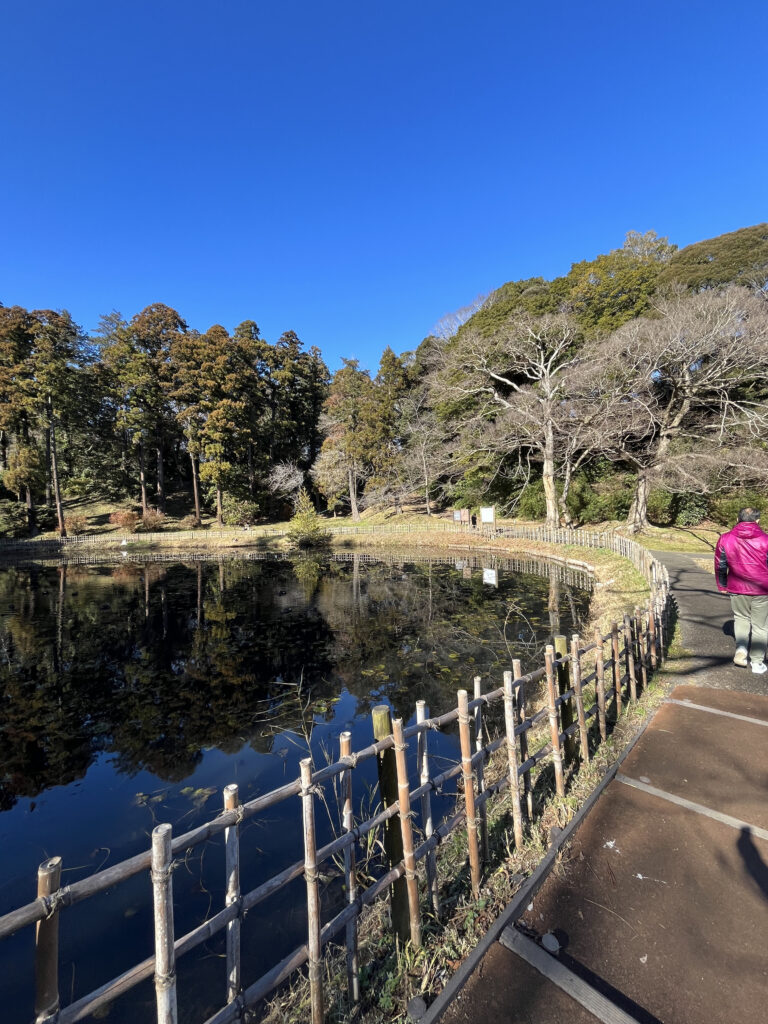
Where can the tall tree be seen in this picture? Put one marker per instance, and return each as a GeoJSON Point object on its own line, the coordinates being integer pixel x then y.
{"type": "Point", "coordinates": [351, 439]}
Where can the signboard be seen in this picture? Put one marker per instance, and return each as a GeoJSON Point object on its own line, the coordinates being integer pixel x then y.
{"type": "Point", "coordinates": [465, 515]}
{"type": "Point", "coordinates": [457, 515]}
{"type": "Point", "coordinates": [488, 515]}
{"type": "Point", "coordinates": [491, 577]}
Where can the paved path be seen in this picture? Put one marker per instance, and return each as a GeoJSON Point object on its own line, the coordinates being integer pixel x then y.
{"type": "Point", "coordinates": [707, 627]}
{"type": "Point", "coordinates": [659, 907]}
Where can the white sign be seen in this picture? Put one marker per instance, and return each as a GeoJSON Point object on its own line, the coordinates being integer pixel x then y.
{"type": "Point", "coordinates": [491, 577]}
{"type": "Point", "coordinates": [488, 515]}
{"type": "Point", "coordinates": [457, 515]}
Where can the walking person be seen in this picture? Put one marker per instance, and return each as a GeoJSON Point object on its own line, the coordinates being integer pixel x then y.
{"type": "Point", "coordinates": [741, 570]}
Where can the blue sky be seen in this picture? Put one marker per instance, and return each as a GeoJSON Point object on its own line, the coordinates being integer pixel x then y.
{"type": "Point", "coordinates": [351, 170]}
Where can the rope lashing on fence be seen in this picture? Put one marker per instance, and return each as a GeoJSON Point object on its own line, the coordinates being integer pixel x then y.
{"type": "Point", "coordinates": [160, 875]}
{"type": "Point", "coordinates": [55, 901]}
{"type": "Point", "coordinates": [165, 981]}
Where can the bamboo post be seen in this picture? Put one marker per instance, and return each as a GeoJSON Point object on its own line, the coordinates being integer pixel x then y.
{"type": "Point", "coordinates": [47, 946]}
{"type": "Point", "coordinates": [514, 778]}
{"type": "Point", "coordinates": [629, 651]}
{"type": "Point", "coordinates": [406, 830]}
{"type": "Point", "coordinates": [579, 697]}
{"type": "Point", "coordinates": [600, 684]}
{"type": "Point", "coordinates": [642, 649]}
{"type": "Point", "coordinates": [165, 955]}
{"type": "Point", "coordinates": [469, 792]}
{"type": "Point", "coordinates": [517, 673]}
{"type": "Point", "coordinates": [652, 632]}
{"type": "Point", "coordinates": [393, 840]}
{"type": "Point", "coordinates": [313, 892]}
{"type": "Point", "coordinates": [422, 713]}
{"type": "Point", "coordinates": [616, 665]}
{"type": "Point", "coordinates": [566, 708]}
{"type": "Point", "coordinates": [350, 878]}
{"type": "Point", "coordinates": [232, 869]}
{"type": "Point", "coordinates": [479, 740]}
{"type": "Point", "coordinates": [554, 725]}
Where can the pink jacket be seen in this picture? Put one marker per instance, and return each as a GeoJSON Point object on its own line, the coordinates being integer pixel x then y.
{"type": "Point", "coordinates": [741, 560]}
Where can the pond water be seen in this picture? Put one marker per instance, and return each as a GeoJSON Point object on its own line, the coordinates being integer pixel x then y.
{"type": "Point", "coordinates": [131, 693]}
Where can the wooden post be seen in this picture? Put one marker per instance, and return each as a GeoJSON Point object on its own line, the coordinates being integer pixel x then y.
{"type": "Point", "coordinates": [566, 708]}
{"type": "Point", "coordinates": [47, 946]}
{"type": "Point", "coordinates": [313, 892]}
{"type": "Point", "coordinates": [479, 740]}
{"type": "Point", "coordinates": [232, 868]}
{"type": "Point", "coordinates": [517, 673]}
{"type": "Point", "coordinates": [579, 696]}
{"type": "Point", "coordinates": [409, 861]}
{"type": "Point", "coordinates": [350, 877]}
{"type": "Point", "coordinates": [629, 651]}
{"type": "Point", "coordinates": [554, 724]}
{"type": "Point", "coordinates": [600, 684]}
{"type": "Point", "coordinates": [514, 778]}
{"type": "Point", "coordinates": [165, 955]}
{"type": "Point", "coordinates": [616, 665]}
{"type": "Point", "coordinates": [422, 713]}
{"type": "Point", "coordinates": [393, 840]}
{"type": "Point", "coordinates": [642, 649]}
{"type": "Point", "coordinates": [469, 792]}
{"type": "Point", "coordinates": [652, 631]}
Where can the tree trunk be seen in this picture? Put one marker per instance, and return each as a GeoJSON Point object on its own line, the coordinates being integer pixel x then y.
{"type": "Point", "coordinates": [426, 482]}
{"type": "Point", "coordinates": [637, 519]}
{"type": "Point", "coordinates": [353, 494]}
{"type": "Point", "coordinates": [30, 511]}
{"type": "Point", "coordinates": [565, 514]}
{"type": "Point", "coordinates": [219, 506]}
{"type": "Point", "coordinates": [548, 479]}
{"type": "Point", "coordinates": [55, 471]}
{"type": "Point", "coordinates": [195, 488]}
{"type": "Point", "coordinates": [251, 473]}
{"type": "Point", "coordinates": [160, 476]}
{"type": "Point", "coordinates": [3, 451]}
{"type": "Point", "coordinates": [142, 480]}
{"type": "Point", "coordinates": [48, 498]}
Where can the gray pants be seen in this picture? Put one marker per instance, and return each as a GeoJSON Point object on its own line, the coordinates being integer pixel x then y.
{"type": "Point", "coordinates": [750, 613]}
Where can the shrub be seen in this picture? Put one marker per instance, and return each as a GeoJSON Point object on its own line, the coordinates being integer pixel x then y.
{"type": "Point", "coordinates": [725, 508]}
{"type": "Point", "coordinates": [46, 519]}
{"type": "Point", "coordinates": [690, 508]}
{"type": "Point", "coordinates": [305, 528]}
{"type": "Point", "coordinates": [125, 518]}
{"type": "Point", "coordinates": [189, 523]}
{"type": "Point", "coordinates": [76, 524]}
{"type": "Point", "coordinates": [606, 498]}
{"type": "Point", "coordinates": [532, 504]}
{"type": "Point", "coordinates": [661, 507]}
{"type": "Point", "coordinates": [13, 519]}
{"type": "Point", "coordinates": [239, 511]}
{"type": "Point", "coordinates": [152, 520]}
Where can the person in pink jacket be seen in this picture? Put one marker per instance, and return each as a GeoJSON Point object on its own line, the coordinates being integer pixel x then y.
{"type": "Point", "coordinates": [741, 570]}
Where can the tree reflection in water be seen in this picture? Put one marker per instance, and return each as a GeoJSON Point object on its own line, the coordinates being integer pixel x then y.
{"type": "Point", "coordinates": [154, 663]}
{"type": "Point", "coordinates": [132, 693]}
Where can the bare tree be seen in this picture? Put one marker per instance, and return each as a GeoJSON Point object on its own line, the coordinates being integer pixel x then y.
{"type": "Point", "coordinates": [285, 478]}
{"type": "Point", "coordinates": [448, 324]}
{"type": "Point", "coordinates": [687, 385]}
{"type": "Point", "coordinates": [512, 390]}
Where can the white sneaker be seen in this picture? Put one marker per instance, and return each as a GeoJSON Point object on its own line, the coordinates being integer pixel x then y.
{"type": "Point", "coordinates": [758, 667]}
{"type": "Point", "coordinates": [740, 657]}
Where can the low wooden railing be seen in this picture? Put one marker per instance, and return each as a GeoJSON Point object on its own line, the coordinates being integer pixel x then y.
{"type": "Point", "coordinates": [584, 686]}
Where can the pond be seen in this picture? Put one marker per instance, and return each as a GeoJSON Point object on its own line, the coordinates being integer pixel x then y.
{"type": "Point", "coordinates": [132, 692]}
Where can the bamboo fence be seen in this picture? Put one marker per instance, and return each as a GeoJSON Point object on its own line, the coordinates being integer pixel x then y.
{"type": "Point", "coordinates": [623, 659]}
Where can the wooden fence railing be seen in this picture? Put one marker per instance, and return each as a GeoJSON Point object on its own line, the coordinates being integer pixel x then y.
{"type": "Point", "coordinates": [583, 688]}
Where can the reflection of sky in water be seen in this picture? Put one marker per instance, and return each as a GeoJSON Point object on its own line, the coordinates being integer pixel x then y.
{"type": "Point", "coordinates": [133, 694]}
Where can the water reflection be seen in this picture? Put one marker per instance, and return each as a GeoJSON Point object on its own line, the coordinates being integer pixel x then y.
{"type": "Point", "coordinates": [132, 692]}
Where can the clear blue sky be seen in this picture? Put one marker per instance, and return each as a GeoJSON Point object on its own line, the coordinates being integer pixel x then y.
{"type": "Point", "coordinates": [354, 170]}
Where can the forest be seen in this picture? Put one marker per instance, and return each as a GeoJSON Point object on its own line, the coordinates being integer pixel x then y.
{"type": "Point", "coordinates": [633, 388]}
